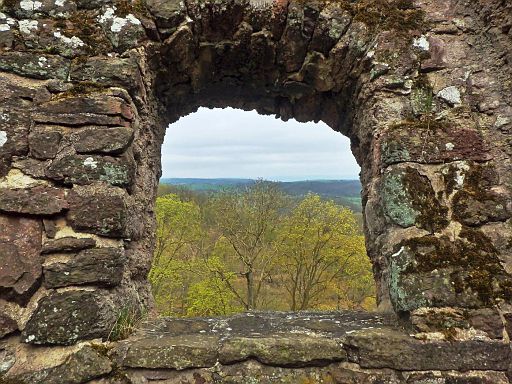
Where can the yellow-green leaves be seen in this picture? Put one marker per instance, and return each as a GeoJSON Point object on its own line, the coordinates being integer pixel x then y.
{"type": "Point", "coordinates": [319, 248]}
{"type": "Point", "coordinates": [256, 248]}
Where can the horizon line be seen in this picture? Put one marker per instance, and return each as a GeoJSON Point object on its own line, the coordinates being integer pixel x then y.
{"type": "Point", "coordinates": [259, 178]}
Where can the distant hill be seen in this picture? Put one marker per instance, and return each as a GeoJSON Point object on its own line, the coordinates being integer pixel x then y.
{"type": "Point", "coordinates": [345, 192]}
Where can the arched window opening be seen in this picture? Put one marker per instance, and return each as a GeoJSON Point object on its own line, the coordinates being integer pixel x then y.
{"type": "Point", "coordinates": [258, 214]}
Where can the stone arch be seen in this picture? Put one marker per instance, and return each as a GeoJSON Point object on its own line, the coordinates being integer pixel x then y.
{"type": "Point", "coordinates": [89, 87]}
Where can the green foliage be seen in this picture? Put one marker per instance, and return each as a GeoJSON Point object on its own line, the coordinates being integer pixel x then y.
{"type": "Point", "coordinates": [212, 296]}
{"type": "Point", "coordinates": [319, 248]}
{"type": "Point", "coordinates": [257, 248]}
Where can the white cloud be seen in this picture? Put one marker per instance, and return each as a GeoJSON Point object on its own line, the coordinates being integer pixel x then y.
{"type": "Point", "coordinates": [234, 143]}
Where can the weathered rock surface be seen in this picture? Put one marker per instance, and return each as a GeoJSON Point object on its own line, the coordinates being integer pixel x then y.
{"type": "Point", "coordinates": [67, 244]}
{"type": "Point", "coordinates": [339, 346]}
{"type": "Point", "coordinates": [39, 200]}
{"type": "Point", "coordinates": [99, 210]}
{"type": "Point", "coordinates": [44, 145]}
{"type": "Point", "coordinates": [7, 323]}
{"type": "Point", "coordinates": [100, 266]}
{"type": "Point", "coordinates": [21, 264]}
{"type": "Point", "coordinates": [69, 316]}
{"type": "Point", "coordinates": [41, 66]}
{"type": "Point", "coordinates": [390, 349]}
{"type": "Point", "coordinates": [103, 140]}
{"type": "Point", "coordinates": [57, 365]}
{"type": "Point", "coordinates": [84, 169]}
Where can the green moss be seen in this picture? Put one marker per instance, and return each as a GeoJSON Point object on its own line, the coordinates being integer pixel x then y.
{"type": "Point", "coordinates": [477, 187]}
{"type": "Point", "coordinates": [385, 15]}
{"type": "Point", "coordinates": [432, 216]}
{"type": "Point", "coordinates": [395, 15]}
{"type": "Point", "coordinates": [84, 25]}
{"type": "Point", "coordinates": [450, 179]}
{"type": "Point", "coordinates": [409, 199]}
{"type": "Point", "coordinates": [421, 125]}
{"type": "Point", "coordinates": [430, 253]}
{"type": "Point", "coordinates": [137, 8]}
{"type": "Point", "coordinates": [81, 88]}
{"type": "Point", "coordinates": [103, 349]}
{"type": "Point", "coordinates": [51, 50]}
{"type": "Point", "coordinates": [422, 97]}
{"type": "Point", "coordinates": [10, 3]}
{"type": "Point", "coordinates": [478, 268]}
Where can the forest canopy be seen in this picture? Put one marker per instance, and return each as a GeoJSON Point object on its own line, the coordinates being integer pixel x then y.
{"type": "Point", "coordinates": [257, 248]}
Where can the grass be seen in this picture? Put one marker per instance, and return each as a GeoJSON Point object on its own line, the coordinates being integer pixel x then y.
{"type": "Point", "coordinates": [128, 321]}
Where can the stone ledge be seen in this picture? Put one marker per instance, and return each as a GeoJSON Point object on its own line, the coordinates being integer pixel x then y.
{"type": "Point", "coordinates": [277, 347]}
{"type": "Point", "coordinates": [301, 340]}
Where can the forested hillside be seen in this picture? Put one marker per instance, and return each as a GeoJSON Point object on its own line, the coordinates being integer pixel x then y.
{"type": "Point", "coordinates": [344, 192]}
{"type": "Point", "coordinates": [257, 247]}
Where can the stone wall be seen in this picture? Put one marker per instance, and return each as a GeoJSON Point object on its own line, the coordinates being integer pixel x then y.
{"type": "Point", "coordinates": [422, 90]}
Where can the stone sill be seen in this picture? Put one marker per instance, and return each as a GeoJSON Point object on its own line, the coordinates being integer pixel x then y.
{"type": "Point", "coordinates": [299, 340]}
{"type": "Point", "coordinates": [261, 347]}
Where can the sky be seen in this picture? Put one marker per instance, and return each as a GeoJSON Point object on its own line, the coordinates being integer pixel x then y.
{"type": "Point", "coordinates": [231, 143]}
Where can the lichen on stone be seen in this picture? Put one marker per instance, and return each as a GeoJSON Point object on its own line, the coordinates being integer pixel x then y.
{"type": "Point", "coordinates": [409, 199]}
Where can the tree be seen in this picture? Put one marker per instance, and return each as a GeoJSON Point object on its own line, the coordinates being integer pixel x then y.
{"type": "Point", "coordinates": [178, 234]}
{"type": "Point", "coordinates": [247, 221]}
{"type": "Point", "coordinates": [318, 244]}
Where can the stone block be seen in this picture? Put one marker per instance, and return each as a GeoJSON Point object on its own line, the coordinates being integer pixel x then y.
{"type": "Point", "coordinates": [33, 9]}
{"type": "Point", "coordinates": [38, 66]}
{"type": "Point", "coordinates": [473, 377]}
{"type": "Point", "coordinates": [333, 22]}
{"type": "Point", "coordinates": [99, 266]}
{"type": "Point", "coordinates": [38, 200]}
{"type": "Point", "coordinates": [98, 104]}
{"type": "Point", "coordinates": [67, 244]}
{"type": "Point", "coordinates": [433, 271]}
{"type": "Point", "coordinates": [475, 208]}
{"type": "Point", "coordinates": [84, 169]}
{"type": "Point", "coordinates": [50, 228]}
{"type": "Point", "coordinates": [59, 365]}
{"type": "Point", "coordinates": [168, 14]}
{"type": "Point", "coordinates": [66, 317]}
{"type": "Point", "coordinates": [431, 143]}
{"type": "Point", "coordinates": [103, 140]}
{"type": "Point", "coordinates": [76, 118]}
{"type": "Point", "coordinates": [300, 350]}
{"type": "Point", "coordinates": [99, 210]}
{"type": "Point", "coordinates": [294, 44]}
{"type": "Point", "coordinates": [7, 324]}
{"type": "Point", "coordinates": [14, 129]}
{"type": "Point", "coordinates": [384, 348]}
{"type": "Point", "coordinates": [20, 261]}
{"type": "Point", "coordinates": [446, 320]}
{"type": "Point", "coordinates": [44, 145]}
{"type": "Point", "coordinates": [122, 72]}
{"type": "Point", "coordinates": [49, 35]}
{"type": "Point", "coordinates": [123, 31]}
{"type": "Point", "coordinates": [487, 320]}
{"type": "Point", "coordinates": [174, 352]}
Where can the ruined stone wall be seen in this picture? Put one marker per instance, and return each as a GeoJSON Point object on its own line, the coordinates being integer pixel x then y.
{"type": "Point", "coordinates": [88, 87]}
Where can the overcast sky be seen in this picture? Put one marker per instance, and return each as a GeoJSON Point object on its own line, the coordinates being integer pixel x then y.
{"type": "Point", "coordinates": [230, 143]}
